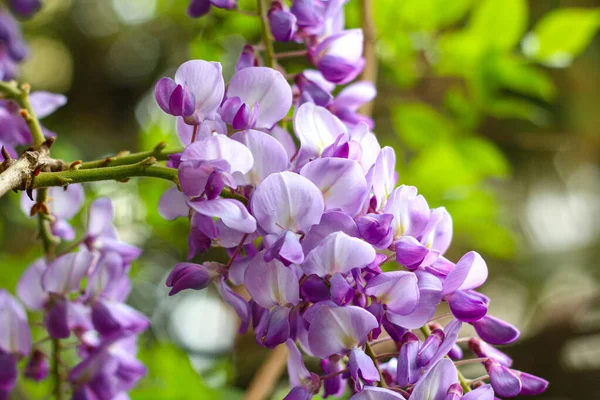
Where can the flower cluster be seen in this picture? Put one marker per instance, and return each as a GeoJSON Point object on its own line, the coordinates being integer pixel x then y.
{"type": "Point", "coordinates": [312, 224]}
{"type": "Point", "coordinates": [81, 294]}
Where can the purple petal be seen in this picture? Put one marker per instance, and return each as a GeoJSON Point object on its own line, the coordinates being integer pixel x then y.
{"type": "Point", "coordinates": [283, 25]}
{"type": "Point", "coordinates": [198, 8]}
{"type": "Point", "coordinates": [335, 385]}
{"type": "Point", "coordinates": [407, 370]}
{"type": "Point", "coordinates": [205, 81]}
{"type": "Point", "coordinates": [411, 212]}
{"type": "Point", "coordinates": [56, 319]}
{"type": "Point", "coordinates": [65, 273]}
{"type": "Point", "coordinates": [15, 336]}
{"type": "Point", "coordinates": [470, 272]}
{"type": "Point", "coordinates": [237, 302]}
{"type": "Point", "coordinates": [115, 318]}
{"type": "Point", "coordinates": [247, 58]}
{"type": "Point", "coordinates": [316, 128]}
{"type": "Point", "coordinates": [45, 103]}
{"type": "Point", "coordinates": [412, 254]}
{"type": "Point", "coordinates": [355, 95]}
{"type": "Point", "coordinates": [296, 369]}
{"type": "Point", "coordinates": [503, 380]}
{"type": "Point", "coordinates": [496, 331]}
{"type": "Point", "coordinates": [271, 283]}
{"type": "Point", "coordinates": [162, 93]}
{"type": "Point", "coordinates": [362, 366]}
{"type": "Point", "coordinates": [398, 290]}
{"type": "Point", "coordinates": [450, 336]}
{"type": "Point", "coordinates": [335, 330]}
{"type": "Point", "coordinates": [207, 128]}
{"type": "Point", "coordinates": [338, 253]}
{"type": "Point", "coordinates": [332, 221]}
{"type": "Point", "coordinates": [233, 213]}
{"type": "Point", "coordinates": [430, 347]}
{"type": "Point", "coordinates": [269, 156]}
{"type": "Point", "coordinates": [276, 328]}
{"type": "Point", "coordinates": [220, 147]}
{"type": "Point", "coordinates": [29, 288]}
{"type": "Point", "coordinates": [340, 180]}
{"type": "Point", "coordinates": [285, 139]}
{"type": "Point", "coordinates": [287, 201]}
{"type": "Point", "coordinates": [384, 176]}
{"type": "Point", "coordinates": [531, 385]}
{"type": "Point", "coordinates": [173, 204]}
{"type": "Point", "coordinates": [266, 87]}
{"type": "Point", "coordinates": [438, 233]}
{"type": "Point", "coordinates": [376, 229]}
{"type": "Point", "coordinates": [106, 278]}
{"type": "Point", "coordinates": [466, 306]}
{"type": "Point", "coordinates": [100, 217]}
{"type": "Point", "coordinates": [429, 297]}
{"type": "Point", "coordinates": [482, 349]}
{"type": "Point", "coordinates": [340, 290]}
{"type": "Point", "coordinates": [286, 248]}
{"type": "Point", "coordinates": [377, 393]}
{"type": "Point", "coordinates": [8, 374]}
{"type": "Point", "coordinates": [484, 392]}
{"type": "Point", "coordinates": [435, 384]}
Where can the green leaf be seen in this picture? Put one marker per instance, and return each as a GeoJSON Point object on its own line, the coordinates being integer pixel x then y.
{"type": "Point", "coordinates": [561, 35]}
{"type": "Point", "coordinates": [421, 126]}
{"type": "Point", "coordinates": [482, 155]}
{"type": "Point", "coordinates": [429, 15]}
{"type": "Point", "coordinates": [512, 107]}
{"type": "Point", "coordinates": [515, 74]}
{"type": "Point", "coordinates": [500, 23]}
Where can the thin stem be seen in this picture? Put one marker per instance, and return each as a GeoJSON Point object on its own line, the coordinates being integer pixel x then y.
{"type": "Point", "coordinates": [333, 374]}
{"type": "Point", "coordinates": [30, 118]}
{"type": "Point", "coordinates": [267, 37]}
{"type": "Point", "coordinates": [469, 361]}
{"type": "Point", "coordinates": [441, 316]}
{"type": "Point", "coordinates": [118, 173]}
{"type": "Point", "coordinates": [194, 133]}
{"type": "Point", "coordinates": [288, 54]}
{"type": "Point", "coordinates": [236, 251]}
{"type": "Point", "coordinates": [56, 363]}
{"type": "Point", "coordinates": [127, 158]}
{"type": "Point", "coordinates": [387, 355]}
{"type": "Point", "coordinates": [463, 382]}
{"type": "Point", "coordinates": [371, 354]}
{"type": "Point", "coordinates": [480, 379]}
{"type": "Point", "coordinates": [380, 340]}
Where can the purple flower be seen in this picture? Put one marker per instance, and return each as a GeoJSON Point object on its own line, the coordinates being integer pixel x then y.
{"type": "Point", "coordinates": [495, 331]}
{"type": "Point", "coordinates": [196, 92]}
{"type": "Point", "coordinates": [25, 8]}
{"type": "Point", "coordinates": [247, 58]}
{"type": "Point", "coordinates": [407, 370]}
{"type": "Point", "coordinates": [398, 290]}
{"type": "Point", "coordinates": [8, 374]}
{"type": "Point", "coordinates": [15, 337]}
{"type": "Point", "coordinates": [193, 276]}
{"type": "Point", "coordinates": [504, 381]}
{"type": "Point", "coordinates": [434, 384]}
{"type": "Point", "coordinates": [37, 366]}
{"type": "Point", "coordinates": [268, 154]}
{"type": "Point", "coordinates": [198, 8]}
{"type": "Point", "coordinates": [377, 393]}
{"type": "Point", "coordinates": [257, 97]}
{"type": "Point", "coordinates": [283, 23]}
{"type": "Point", "coordinates": [339, 56]}
{"type": "Point", "coordinates": [376, 229]}
{"type": "Point", "coordinates": [346, 104]}
{"type": "Point", "coordinates": [300, 377]}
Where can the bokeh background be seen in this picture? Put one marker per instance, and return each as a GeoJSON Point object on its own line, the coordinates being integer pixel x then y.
{"type": "Point", "coordinates": [492, 114]}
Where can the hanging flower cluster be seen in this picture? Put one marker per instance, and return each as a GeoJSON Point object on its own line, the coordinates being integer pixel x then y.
{"type": "Point", "coordinates": [311, 222]}
{"type": "Point", "coordinates": [81, 295]}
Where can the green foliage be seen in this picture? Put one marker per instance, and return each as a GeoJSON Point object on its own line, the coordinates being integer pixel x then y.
{"type": "Point", "coordinates": [499, 23]}
{"type": "Point", "coordinates": [562, 35]}
{"type": "Point", "coordinates": [171, 376]}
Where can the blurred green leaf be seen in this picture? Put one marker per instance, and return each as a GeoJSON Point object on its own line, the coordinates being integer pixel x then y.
{"type": "Point", "coordinates": [429, 15]}
{"type": "Point", "coordinates": [420, 125]}
{"type": "Point", "coordinates": [171, 376]}
{"type": "Point", "coordinates": [516, 74]}
{"type": "Point", "coordinates": [561, 35]}
{"type": "Point", "coordinates": [513, 107]}
{"type": "Point", "coordinates": [483, 156]}
{"type": "Point", "coordinates": [500, 23]}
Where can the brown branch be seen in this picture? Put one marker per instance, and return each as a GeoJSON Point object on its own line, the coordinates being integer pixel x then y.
{"type": "Point", "coordinates": [18, 174]}
{"type": "Point", "coordinates": [370, 34]}
{"type": "Point", "coordinates": [267, 376]}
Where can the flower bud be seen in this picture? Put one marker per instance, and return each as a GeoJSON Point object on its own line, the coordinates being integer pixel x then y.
{"type": "Point", "coordinates": [504, 381]}
{"type": "Point", "coordinates": [430, 347]}
{"type": "Point", "coordinates": [37, 366]}
{"type": "Point", "coordinates": [283, 23]}
{"type": "Point", "coordinates": [408, 370]}
{"type": "Point", "coordinates": [467, 306]}
{"type": "Point", "coordinates": [247, 58]}
{"type": "Point", "coordinates": [454, 392]}
{"type": "Point", "coordinates": [174, 99]}
{"type": "Point", "coordinates": [483, 350]}
{"type": "Point", "coordinates": [376, 229]}
{"type": "Point", "coordinates": [495, 331]}
{"type": "Point", "coordinates": [531, 384]}
{"type": "Point", "coordinates": [192, 276]}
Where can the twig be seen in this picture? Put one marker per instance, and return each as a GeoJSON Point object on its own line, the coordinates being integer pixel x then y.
{"type": "Point", "coordinates": [268, 374]}
{"type": "Point", "coordinates": [370, 71]}
{"type": "Point", "coordinates": [267, 37]}
{"type": "Point", "coordinates": [126, 158]}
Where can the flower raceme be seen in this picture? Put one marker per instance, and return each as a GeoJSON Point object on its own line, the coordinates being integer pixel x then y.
{"type": "Point", "coordinates": [310, 231]}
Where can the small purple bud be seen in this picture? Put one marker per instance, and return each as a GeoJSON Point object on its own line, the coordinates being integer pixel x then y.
{"type": "Point", "coordinates": [316, 93]}
{"type": "Point", "coordinates": [214, 185]}
{"type": "Point", "coordinates": [224, 4]}
{"type": "Point", "coordinates": [336, 385]}
{"type": "Point", "coordinates": [341, 291]}
{"type": "Point", "coordinates": [174, 99]}
{"type": "Point", "coordinates": [467, 306]}
{"type": "Point", "coordinates": [276, 328]}
{"type": "Point", "coordinates": [408, 370]}
{"type": "Point", "coordinates": [454, 392]}
{"type": "Point", "coordinates": [25, 8]}
{"type": "Point", "coordinates": [37, 366]}
{"type": "Point", "coordinates": [376, 229]}
{"type": "Point", "coordinates": [430, 347]}
{"type": "Point", "coordinates": [198, 8]}
{"type": "Point", "coordinates": [192, 276]}
{"type": "Point", "coordinates": [504, 381]}
{"type": "Point", "coordinates": [305, 12]}
{"type": "Point", "coordinates": [455, 353]}
{"type": "Point", "coordinates": [56, 319]}
{"type": "Point", "coordinates": [495, 331]}
{"type": "Point", "coordinates": [314, 289]}
{"type": "Point", "coordinates": [482, 349]}
{"type": "Point", "coordinates": [283, 25]}
{"type": "Point", "coordinates": [362, 366]}
{"type": "Point", "coordinates": [8, 374]}
{"type": "Point", "coordinates": [247, 58]}
{"type": "Point", "coordinates": [531, 385]}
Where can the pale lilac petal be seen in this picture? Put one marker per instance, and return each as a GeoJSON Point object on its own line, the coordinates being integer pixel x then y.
{"type": "Point", "coordinates": [287, 248]}
{"type": "Point", "coordinates": [335, 330]}
{"type": "Point", "coordinates": [116, 318]}
{"type": "Point", "coordinates": [287, 200]}
{"type": "Point", "coordinates": [65, 202]}
{"type": "Point", "coordinates": [220, 147]}
{"type": "Point", "coordinates": [264, 86]}
{"type": "Point", "coordinates": [384, 176]}
{"type": "Point", "coordinates": [450, 336]}
{"type": "Point", "coordinates": [410, 210]}
{"type": "Point", "coordinates": [438, 233]}
{"type": "Point", "coordinates": [362, 366]}
{"type": "Point", "coordinates": [45, 103]}
{"type": "Point", "coordinates": [173, 204]}
{"type": "Point", "coordinates": [412, 254]}
{"type": "Point", "coordinates": [29, 288]}
{"type": "Point", "coordinates": [233, 213]}
{"type": "Point", "coordinates": [207, 128]}
{"type": "Point", "coordinates": [106, 278]}
{"type": "Point", "coordinates": [484, 392]}
{"type": "Point", "coordinates": [407, 370]}
{"type": "Point", "coordinates": [15, 336]}
{"type": "Point", "coordinates": [355, 95]}
{"type": "Point", "coordinates": [162, 93]}
{"type": "Point", "coordinates": [377, 393]}
{"type": "Point", "coordinates": [271, 283]}
{"type": "Point", "coordinates": [269, 155]}
{"type": "Point", "coordinates": [237, 302]}
{"type": "Point", "coordinates": [495, 331]}
{"type": "Point", "coordinates": [470, 272]}
{"type": "Point", "coordinates": [316, 128]}
{"type": "Point", "coordinates": [398, 290]}
{"type": "Point", "coordinates": [65, 273]}
{"type": "Point", "coordinates": [340, 180]}
{"type": "Point", "coordinates": [435, 384]}
{"type": "Point", "coordinates": [100, 217]}
{"type": "Point", "coordinates": [430, 289]}
{"type": "Point", "coordinates": [338, 253]}
{"type": "Point", "coordinates": [286, 140]}
{"type": "Point", "coordinates": [205, 81]}
{"type": "Point", "coordinates": [296, 369]}
{"type": "Point", "coordinates": [331, 221]}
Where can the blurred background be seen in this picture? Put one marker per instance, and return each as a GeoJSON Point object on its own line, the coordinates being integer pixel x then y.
{"type": "Point", "coordinates": [493, 107]}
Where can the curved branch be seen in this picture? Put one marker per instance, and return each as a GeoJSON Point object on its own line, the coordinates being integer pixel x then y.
{"type": "Point", "coordinates": [125, 158]}
{"type": "Point", "coordinates": [369, 31]}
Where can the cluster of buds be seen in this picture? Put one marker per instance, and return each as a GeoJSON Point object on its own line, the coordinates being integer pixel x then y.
{"type": "Point", "coordinates": [331, 252]}
{"type": "Point", "coordinates": [81, 295]}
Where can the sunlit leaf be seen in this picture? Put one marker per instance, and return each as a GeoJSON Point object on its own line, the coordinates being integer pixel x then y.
{"type": "Point", "coordinates": [500, 23]}
{"type": "Point", "coordinates": [420, 125]}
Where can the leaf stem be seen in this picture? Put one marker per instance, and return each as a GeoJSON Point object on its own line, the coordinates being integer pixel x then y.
{"type": "Point", "coordinates": [267, 37]}
{"type": "Point", "coordinates": [126, 158]}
